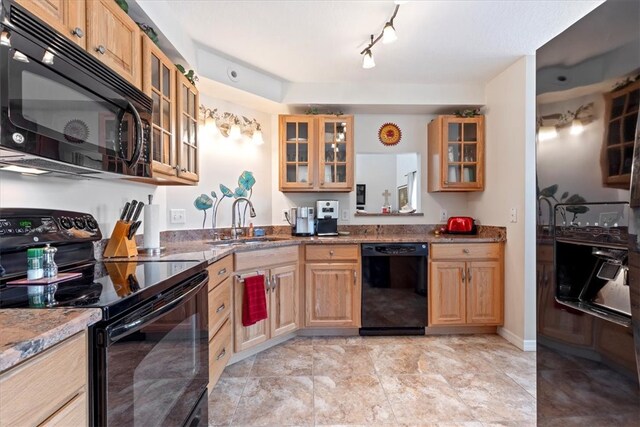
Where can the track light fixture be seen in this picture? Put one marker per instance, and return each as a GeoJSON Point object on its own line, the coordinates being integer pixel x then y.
{"type": "Point", "coordinates": [388, 35]}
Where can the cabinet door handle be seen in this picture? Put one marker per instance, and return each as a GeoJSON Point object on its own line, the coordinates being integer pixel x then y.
{"type": "Point", "coordinates": [77, 31]}
{"type": "Point", "coordinates": [101, 50]}
{"type": "Point", "coordinates": [221, 272]}
{"type": "Point", "coordinates": [446, 182]}
{"type": "Point", "coordinates": [355, 278]}
{"type": "Point", "coordinates": [219, 309]}
{"type": "Point", "coordinates": [222, 353]}
{"type": "Point", "coordinates": [268, 284]}
{"type": "Point", "coordinates": [465, 250]}
{"type": "Point", "coordinates": [274, 282]}
{"type": "Point", "coordinates": [464, 278]}
{"type": "Point", "coordinates": [469, 273]}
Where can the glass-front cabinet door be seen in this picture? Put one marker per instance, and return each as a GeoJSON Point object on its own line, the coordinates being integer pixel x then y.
{"type": "Point", "coordinates": [297, 159]}
{"type": "Point", "coordinates": [462, 148]}
{"type": "Point", "coordinates": [187, 104]}
{"type": "Point", "coordinates": [335, 144]}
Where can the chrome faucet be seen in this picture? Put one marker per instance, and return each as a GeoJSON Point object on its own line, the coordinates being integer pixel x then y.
{"type": "Point", "coordinates": [234, 226]}
{"type": "Point", "coordinates": [544, 199]}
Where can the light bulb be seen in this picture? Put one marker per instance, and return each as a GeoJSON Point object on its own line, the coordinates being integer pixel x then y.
{"type": "Point", "coordinates": [367, 60]}
{"type": "Point", "coordinates": [235, 132]}
{"type": "Point", "coordinates": [576, 127]}
{"type": "Point", "coordinates": [257, 138]}
{"type": "Point", "coordinates": [389, 34]}
{"type": "Point", "coordinates": [546, 133]}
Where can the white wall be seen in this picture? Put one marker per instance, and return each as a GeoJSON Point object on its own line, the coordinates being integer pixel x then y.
{"type": "Point", "coordinates": [103, 199]}
{"type": "Point", "coordinates": [414, 140]}
{"type": "Point", "coordinates": [379, 173]}
{"type": "Point", "coordinates": [510, 183]}
{"type": "Point", "coordinates": [222, 160]}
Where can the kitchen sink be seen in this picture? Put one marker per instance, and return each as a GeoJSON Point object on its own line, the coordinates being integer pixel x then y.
{"type": "Point", "coordinates": [250, 241]}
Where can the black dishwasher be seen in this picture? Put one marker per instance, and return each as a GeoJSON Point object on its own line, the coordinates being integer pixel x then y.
{"type": "Point", "coordinates": [394, 289]}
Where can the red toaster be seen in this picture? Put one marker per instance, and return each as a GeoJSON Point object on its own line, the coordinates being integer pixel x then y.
{"type": "Point", "coordinates": [461, 225]}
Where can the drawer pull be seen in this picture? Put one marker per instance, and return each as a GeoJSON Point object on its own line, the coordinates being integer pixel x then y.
{"type": "Point", "coordinates": [222, 353]}
{"type": "Point", "coordinates": [331, 252]}
{"type": "Point", "coordinates": [465, 250]}
{"type": "Point", "coordinates": [219, 309]}
{"type": "Point", "coordinates": [221, 272]}
{"type": "Point", "coordinates": [77, 31]}
{"type": "Point", "coordinates": [101, 50]}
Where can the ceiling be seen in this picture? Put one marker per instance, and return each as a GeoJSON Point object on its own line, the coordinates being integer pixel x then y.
{"type": "Point", "coordinates": [439, 42]}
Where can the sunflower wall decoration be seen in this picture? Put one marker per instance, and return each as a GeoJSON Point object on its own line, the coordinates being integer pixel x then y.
{"type": "Point", "coordinates": [389, 134]}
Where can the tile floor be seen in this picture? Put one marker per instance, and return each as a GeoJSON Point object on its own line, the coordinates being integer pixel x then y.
{"type": "Point", "coordinates": [444, 381]}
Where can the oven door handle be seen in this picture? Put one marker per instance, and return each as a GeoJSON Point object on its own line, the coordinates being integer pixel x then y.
{"type": "Point", "coordinates": [137, 151]}
{"type": "Point", "coordinates": [116, 332]}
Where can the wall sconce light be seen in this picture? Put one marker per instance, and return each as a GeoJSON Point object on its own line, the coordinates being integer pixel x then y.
{"type": "Point", "coordinates": [229, 125]}
{"type": "Point", "coordinates": [388, 35]}
{"type": "Point", "coordinates": [548, 125]}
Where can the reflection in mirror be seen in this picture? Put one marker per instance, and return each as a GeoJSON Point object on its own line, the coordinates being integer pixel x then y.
{"type": "Point", "coordinates": [392, 178]}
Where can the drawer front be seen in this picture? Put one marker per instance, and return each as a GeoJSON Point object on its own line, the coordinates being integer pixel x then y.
{"type": "Point", "coordinates": [219, 271]}
{"type": "Point", "coordinates": [219, 305]}
{"type": "Point", "coordinates": [33, 391]}
{"type": "Point", "coordinates": [260, 258]}
{"type": "Point", "coordinates": [331, 252]}
{"type": "Point", "coordinates": [74, 413]}
{"type": "Point", "coordinates": [219, 353]}
{"type": "Point", "coordinates": [461, 251]}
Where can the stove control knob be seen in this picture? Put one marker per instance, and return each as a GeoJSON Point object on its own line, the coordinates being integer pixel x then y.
{"type": "Point", "coordinates": [92, 224]}
{"type": "Point", "coordinates": [79, 223]}
{"type": "Point", "coordinates": [65, 223]}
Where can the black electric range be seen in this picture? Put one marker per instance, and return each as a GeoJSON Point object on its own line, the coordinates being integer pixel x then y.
{"type": "Point", "coordinates": [148, 356]}
{"type": "Point", "coordinates": [113, 287]}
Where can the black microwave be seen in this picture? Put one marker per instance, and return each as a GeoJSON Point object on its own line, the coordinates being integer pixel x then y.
{"type": "Point", "coordinates": [62, 110]}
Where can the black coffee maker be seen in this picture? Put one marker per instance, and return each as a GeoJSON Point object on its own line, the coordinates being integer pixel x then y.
{"type": "Point", "coordinates": [327, 212]}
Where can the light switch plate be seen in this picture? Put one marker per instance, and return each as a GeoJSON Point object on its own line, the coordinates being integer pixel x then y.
{"type": "Point", "coordinates": [443, 215]}
{"type": "Point", "coordinates": [345, 215]}
{"type": "Point", "coordinates": [177, 216]}
{"type": "Point", "coordinates": [284, 215]}
{"type": "Point", "coordinates": [514, 215]}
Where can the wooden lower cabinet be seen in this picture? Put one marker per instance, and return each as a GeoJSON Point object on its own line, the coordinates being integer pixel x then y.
{"type": "Point", "coordinates": [220, 317]}
{"type": "Point", "coordinates": [332, 295]}
{"type": "Point", "coordinates": [467, 292]}
{"type": "Point", "coordinates": [282, 294]}
{"type": "Point", "coordinates": [49, 388]}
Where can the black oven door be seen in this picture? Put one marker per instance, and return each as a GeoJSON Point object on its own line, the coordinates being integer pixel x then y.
{"type": "Point", "coordinates": [153, 365]}
{"type": "Point", "coordinates": [55, 109]}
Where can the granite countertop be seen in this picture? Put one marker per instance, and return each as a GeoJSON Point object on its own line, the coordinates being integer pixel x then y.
{"type": "Point", "coordinates": [26, 332]}
{"type": "Point", "coordinates": [207, 250]}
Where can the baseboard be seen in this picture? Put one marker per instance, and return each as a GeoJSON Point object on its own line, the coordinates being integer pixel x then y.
{"type": "Point", "coordinates": [524, 345]}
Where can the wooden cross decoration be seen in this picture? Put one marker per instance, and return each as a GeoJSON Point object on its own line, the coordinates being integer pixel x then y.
{"type": "Point", "coordinates": [386, 195]}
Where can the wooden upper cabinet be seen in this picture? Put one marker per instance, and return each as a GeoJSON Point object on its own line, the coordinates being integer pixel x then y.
{"type": "Point", "coordinates": [456, 153]}
{"type": "Point", "coordinates": [114, 39]}
{"type": "Point", "coordinates": [187, 138]}
{"type": "Point", "coordinates": [621, 114]}
{"type": "Point", "coordinates": [65, 16]}
{"type": "Point", "coordinates": [159, 82]}
{"type": "Point", "coordinates": [335, 145]}
{"type": "Point", "coordinates": [316, 153]}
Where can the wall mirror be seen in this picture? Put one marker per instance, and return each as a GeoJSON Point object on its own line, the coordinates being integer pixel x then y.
{"type": "Point", "coordinates": [391, 177]}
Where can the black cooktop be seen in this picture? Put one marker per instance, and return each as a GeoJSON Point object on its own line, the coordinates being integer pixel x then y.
{"type": "Point", "coordinates": [114, 287]}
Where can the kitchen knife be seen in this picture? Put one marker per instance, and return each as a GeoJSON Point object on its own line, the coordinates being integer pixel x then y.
{"type": "Point", "coordinates": [136, 214]}
{"type": "Point", "coordinates": [132, 230]}
{"type": "Point", "coordinates": [134, 203]}
{"type": "Point", "coordinates": [123, 215]}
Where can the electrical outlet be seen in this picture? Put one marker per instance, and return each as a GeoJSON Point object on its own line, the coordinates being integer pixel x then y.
{"type": "Point", "coordinates": [514, 215]}
{"type": "Point", "coordinates": [285, 212]}
{"type": "Point", "coordinates": [177, 216]}
{"type": "Point", "coordinates": [443, 215]}
{"type": "Point", "coordinates": [345, 215]}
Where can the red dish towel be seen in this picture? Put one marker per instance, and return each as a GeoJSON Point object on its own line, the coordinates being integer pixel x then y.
{"type": "Point", "coordinates": [254, 304]}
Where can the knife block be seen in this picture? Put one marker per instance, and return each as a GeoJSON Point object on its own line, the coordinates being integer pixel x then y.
{"type": "Point", "coordinates": [119, 244]}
